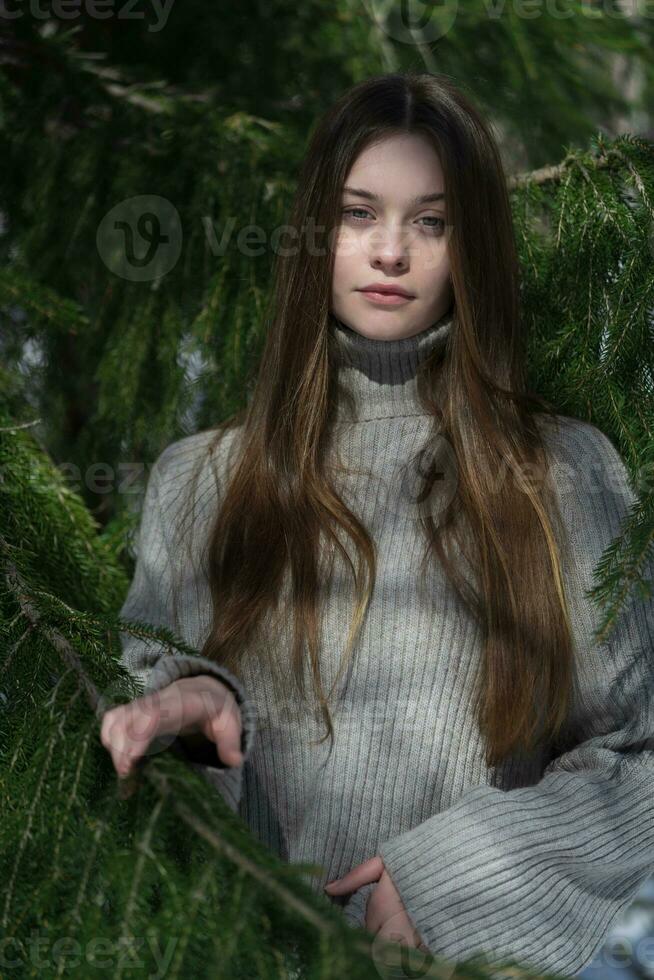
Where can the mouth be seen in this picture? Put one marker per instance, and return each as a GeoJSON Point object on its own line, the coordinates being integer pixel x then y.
{"type": "Point", "coordinates": [386, 287]}
{"type": "Point", "coordinates": [386, 297]}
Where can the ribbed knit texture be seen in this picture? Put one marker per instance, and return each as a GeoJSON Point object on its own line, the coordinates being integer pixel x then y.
{"type": "Point", "coordinates": [533, 859]}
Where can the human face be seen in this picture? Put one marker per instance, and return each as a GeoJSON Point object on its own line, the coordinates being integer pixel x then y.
{"type": "Point", "coordinates": [391, 239]}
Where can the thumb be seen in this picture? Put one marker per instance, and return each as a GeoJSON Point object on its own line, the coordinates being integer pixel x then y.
{"type": "Point", "coordinates": [228, 742]}
{"type": "Point", "coordinates": [362, 874]}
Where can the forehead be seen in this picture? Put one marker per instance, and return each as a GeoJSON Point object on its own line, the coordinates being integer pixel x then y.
{"type": "Point", "coordinates": [405, 165]}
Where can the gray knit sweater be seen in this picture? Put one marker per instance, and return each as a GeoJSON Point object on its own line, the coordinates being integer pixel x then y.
{"type": "Point", "coordinates": [533, 859]}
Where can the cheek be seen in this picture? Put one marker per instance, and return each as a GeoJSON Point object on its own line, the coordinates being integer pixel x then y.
{"type": "Point", "coordinates": [344, 260]}
{"type": "Point", "coordinates": [347, 245]}
{"type": "Point", "coordinates": [433, 259]}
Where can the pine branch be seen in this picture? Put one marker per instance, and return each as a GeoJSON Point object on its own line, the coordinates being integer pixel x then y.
{"type": "Point", "coordinates": [555, 172]}
{"type": "Point", "coordinates": [20, 425]}
{"type": "Point", "coordinates": [333, 928]}
{"type": "Point", "coordinates": [20, 590]}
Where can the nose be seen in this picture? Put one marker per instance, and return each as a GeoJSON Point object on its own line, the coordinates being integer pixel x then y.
{"type": "Point", "coordinates": [389, 250]}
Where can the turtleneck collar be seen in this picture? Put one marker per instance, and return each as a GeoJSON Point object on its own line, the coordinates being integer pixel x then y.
{"type": "Point", "coordinates": [380, 375]}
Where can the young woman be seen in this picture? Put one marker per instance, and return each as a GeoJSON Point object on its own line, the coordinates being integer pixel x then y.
{"type": "Point", "coordinates": [364, 551]}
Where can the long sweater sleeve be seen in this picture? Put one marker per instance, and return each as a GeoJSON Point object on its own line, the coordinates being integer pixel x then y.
{"type": "Point", "coordinates": [540, 872]}
{"type": "Point", "coordinates": [156, 665]}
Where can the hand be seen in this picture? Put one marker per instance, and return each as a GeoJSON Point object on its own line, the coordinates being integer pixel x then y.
{"type": "Point", "coordinates": [192, 704]}
{"type": "Point", "coordinates": [386, 915]}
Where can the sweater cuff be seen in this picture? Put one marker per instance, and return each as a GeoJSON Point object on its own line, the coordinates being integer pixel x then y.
{"type": "Point", "coordinates": [172, 667]}
{"type": "Point", "coordinates": [471, 892]}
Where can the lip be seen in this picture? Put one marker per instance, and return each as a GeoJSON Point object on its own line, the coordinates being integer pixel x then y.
{"type": "Point", "coordinates": [385, 298]}
{"type": "Point", "coordinates": [386, 287]}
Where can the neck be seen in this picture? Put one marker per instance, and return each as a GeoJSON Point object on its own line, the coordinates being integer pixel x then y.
{"type": "Point", "coordinates": [381, 375]}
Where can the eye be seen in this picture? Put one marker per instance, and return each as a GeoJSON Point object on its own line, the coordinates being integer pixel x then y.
{"type": "Point", "coordinates": [352, 212]}
{"type": "Point", "coordinates": [432, 217]}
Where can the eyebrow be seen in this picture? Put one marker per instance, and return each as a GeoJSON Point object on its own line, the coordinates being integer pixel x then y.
{"type": "Point", "coordinates": [421, 199]}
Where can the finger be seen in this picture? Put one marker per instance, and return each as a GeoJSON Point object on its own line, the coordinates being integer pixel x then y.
{"type": "Point", "coordinates": [220, 721]}
{"type": "Point", "coordinates": [110, 739]}
{"type": "Point", "coordinates": [370, 870]}
{"type": "Point", "coordinates": [226, 733]}
{"type": "Point", "coordinates": [124, 751]}
{"type": "Point", "coordinates": [123, 742]}
{"type": "Point", "coordinates": [373, 919]}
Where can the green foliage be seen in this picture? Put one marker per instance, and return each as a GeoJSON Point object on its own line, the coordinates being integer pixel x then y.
{"type": "Point", "coordinates": [587, 253]}
{"type": "Point", "coordinates": [169, 868]}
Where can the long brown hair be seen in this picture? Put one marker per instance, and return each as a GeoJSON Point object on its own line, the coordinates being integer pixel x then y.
{"type": "Point", "coordinates": [280, 513]}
